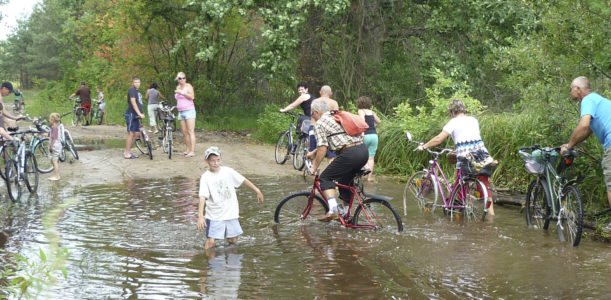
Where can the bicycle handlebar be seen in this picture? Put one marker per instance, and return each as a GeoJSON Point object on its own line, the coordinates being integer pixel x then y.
{"type": "Point", "coordinates": [569, 153]}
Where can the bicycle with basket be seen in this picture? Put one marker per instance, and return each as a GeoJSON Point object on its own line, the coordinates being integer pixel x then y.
{"type": "Point", "coordinates": [551, 195]}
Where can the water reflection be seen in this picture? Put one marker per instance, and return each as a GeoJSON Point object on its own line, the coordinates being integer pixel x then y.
{"type": "Point", "coordinates": [138, 240]}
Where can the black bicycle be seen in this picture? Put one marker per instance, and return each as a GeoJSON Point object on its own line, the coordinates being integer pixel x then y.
{"type": "Point", "coordinates": [169, 125]}
{"type": "Point", "coordinates": [143, 142]}
{"type": "Point", "coordinates": [292, 142]}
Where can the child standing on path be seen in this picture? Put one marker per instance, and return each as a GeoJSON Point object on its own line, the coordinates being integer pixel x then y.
{"type": "Point", "coordinates": [218, 201]}
{"type": "Point", "coordinates": [55, 147]}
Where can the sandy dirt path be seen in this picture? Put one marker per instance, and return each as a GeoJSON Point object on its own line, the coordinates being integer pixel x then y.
{"type": "Point", "coordinates": [239, 151]}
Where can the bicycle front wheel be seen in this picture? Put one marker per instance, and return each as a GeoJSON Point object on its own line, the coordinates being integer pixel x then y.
{"type": "Point", "coordinates": [295, 208]}
{"type": "Point", "coordinates": [423, 189]}
{"type": "Point", "coordinates": [13, 182]}
{"type": "Point", "coordinates": [149, 148]}
{"type": "Point", "coordinates": [170, 141]}
{"type": "Point", "coordinates": [4, 158]}
{"type": "Point", "coordinates": [30, 172]}
{"type": "Point", "coordinates": [379, 214]}
{"type": "Point", "coordinates": [300, 154]}
{"type": "Point", "coordinates": [571, 214]}
{"type": "Point", "coordinates": [70, 145]}
{"type": "Point", "coordinates": [282, 148]}
{"type": "Point", "coordinates": [140, 145]}
{"type": "Point", "coordinates": [537, 210]}
{"type": "Point", "coordinates": [471, 194]}
{"type": "Point", "coordinates": [43, 157]}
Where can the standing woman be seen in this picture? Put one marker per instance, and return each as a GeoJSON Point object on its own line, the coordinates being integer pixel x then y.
{"type": "Point", "coordinates": [186, 112]}
{"type": "Point", "coordinates": [152, 96]}
{"type": "Point", "coordinates": [371, 135]}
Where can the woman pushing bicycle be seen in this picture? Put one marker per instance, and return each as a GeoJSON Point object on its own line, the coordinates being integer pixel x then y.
{"type": "Point", "coordinates": [466, 136]}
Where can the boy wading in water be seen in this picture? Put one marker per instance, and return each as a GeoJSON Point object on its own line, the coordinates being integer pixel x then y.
{"type": "Point", "coordinates": [218, 201]}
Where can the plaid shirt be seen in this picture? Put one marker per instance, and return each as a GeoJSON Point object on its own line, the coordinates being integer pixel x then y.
{"type": "Point", "coordinates": [325, 127]}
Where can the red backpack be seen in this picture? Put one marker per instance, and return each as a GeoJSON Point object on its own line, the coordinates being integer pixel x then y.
{"type": "Point", "coordinates": [352, 124]}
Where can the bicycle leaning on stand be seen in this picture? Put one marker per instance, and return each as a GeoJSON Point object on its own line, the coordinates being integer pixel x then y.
{"type": "Point", "coordinates": [79, 113]}
{"type": "Point", "coordinates": [430, 188]}
{"type": "Point", "coordinates": [551, 196]}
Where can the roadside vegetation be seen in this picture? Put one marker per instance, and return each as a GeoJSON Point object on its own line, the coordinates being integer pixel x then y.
{"type": "Point", "coordinates": [512, 61]}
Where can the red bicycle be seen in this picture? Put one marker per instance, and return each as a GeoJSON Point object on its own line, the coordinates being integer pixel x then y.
{"type": "Point", "coordinates": [370, 211]}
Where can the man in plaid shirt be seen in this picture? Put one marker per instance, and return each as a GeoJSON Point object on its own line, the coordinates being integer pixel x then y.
{"type": "Point", "coordinates": [351, 156]}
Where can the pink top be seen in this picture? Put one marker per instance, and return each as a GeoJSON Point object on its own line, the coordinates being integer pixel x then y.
{"type": "Point", "coordinates": [183, 103]}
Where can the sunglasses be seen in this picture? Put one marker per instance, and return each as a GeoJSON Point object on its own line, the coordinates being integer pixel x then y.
{"type": "Point", "coordinates": [181, 78]}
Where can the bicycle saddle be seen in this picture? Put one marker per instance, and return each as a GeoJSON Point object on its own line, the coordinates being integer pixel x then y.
{"type": "Point", "coordinates": [363, 172]}
{"type": "Point", "coordinates": [13, 129]}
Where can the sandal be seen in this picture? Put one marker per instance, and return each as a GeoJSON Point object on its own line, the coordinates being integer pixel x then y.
{"type": "Point", "coordinates": [190, 155]}
{"type": "Point", "coordinates": [131, 157]}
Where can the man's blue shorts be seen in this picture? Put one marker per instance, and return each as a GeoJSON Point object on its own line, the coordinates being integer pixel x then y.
{"type": "Point", "coordinates": [223, 229]}
{"type": "Point", "coordinates": [133, 123]}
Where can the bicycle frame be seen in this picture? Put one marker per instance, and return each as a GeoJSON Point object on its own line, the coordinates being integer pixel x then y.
{"type": "Point", "coordinates": [343, 220]}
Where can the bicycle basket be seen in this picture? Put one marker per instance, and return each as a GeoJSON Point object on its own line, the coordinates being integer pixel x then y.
{"type": "Point", "coordinates": [533, 162]}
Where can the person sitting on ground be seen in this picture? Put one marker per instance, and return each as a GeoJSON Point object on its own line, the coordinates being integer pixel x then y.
{"type": "Point", "coordinates": [371, 135]}
{"type": "Point", "coordinates": [351, 156]}
{"type": "Point", "coordinates": [218, 202]}
{"type": "Point", "coordinates": [466, 136]}
{"type": "Point", "coordinates": [55, 146]}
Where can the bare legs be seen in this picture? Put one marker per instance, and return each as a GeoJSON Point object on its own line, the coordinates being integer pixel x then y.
{"type": "Point", "coordinates": [187, 127]}
{"type": "Point", "coordinates": [211, 242]}
{"type": "Point", "coordinates": [129, 142]}
{"type": "Point", "coordinates": [369, 166]}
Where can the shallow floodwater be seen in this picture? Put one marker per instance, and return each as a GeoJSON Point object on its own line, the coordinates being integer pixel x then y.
{"type": "Point", "coordinates": [138, 240]}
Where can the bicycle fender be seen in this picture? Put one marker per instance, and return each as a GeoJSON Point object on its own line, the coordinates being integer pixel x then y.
{"type": "Point", "coordinates": [379, 197]}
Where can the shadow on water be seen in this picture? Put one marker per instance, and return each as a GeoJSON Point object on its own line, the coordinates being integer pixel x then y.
{"type": "Point", "coordinates": [139, 240]}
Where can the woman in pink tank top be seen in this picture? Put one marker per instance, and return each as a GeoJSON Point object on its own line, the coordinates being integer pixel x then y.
{"type": "Point", "coordinates": [185, 95]}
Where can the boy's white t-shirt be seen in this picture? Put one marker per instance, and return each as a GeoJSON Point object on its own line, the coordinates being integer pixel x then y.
{"type": "Point", "coordinates": [219, 190]}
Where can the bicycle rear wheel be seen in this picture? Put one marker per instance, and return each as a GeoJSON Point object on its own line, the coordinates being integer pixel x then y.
{"type": "Point", "coordinates": [300, 154]}
{"type": "Point", "coordinates": [13, 182]}
{"type": "Point", "coordinates": [282, 148]}
{"type": "Point", "coordinates": [537, 210]}
{"type": "Point", "coordinates": [70, 145]}
{"type": "Point", "coordinates": [62, 154]}
{"type": "Point", "coordinates": [99, 116]}
{"type": "Point", "coordinates": [295, 208]}
{"type": "Point", "coordinates": [379, 213]}
{"type": "Point", "coordinates": [571, 215]}
{"type": "Point", "coordinates": [471, 194]}
{"type": "Point", "coordinates": [422, 188]}
{"type": "Point", "coordinates": [30, 172]}
{"type": "Point", "coordinates": [43, 157]}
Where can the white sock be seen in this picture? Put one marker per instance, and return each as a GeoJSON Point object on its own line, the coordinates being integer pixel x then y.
{"type": "Point", "coordinates": [332, 204]}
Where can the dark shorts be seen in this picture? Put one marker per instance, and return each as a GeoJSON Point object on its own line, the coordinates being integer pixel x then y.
{"type": "Point", "coordinates": [133, 123]}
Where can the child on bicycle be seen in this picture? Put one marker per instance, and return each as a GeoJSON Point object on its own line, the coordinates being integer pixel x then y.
{"type": "Point", "coordinates": [55, 146]}
{"type": "Point", "coordinates": [218, 201]}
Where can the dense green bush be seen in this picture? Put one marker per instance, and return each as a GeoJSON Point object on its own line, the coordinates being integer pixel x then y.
{"type": "Point", "coordinates": [271, 123]}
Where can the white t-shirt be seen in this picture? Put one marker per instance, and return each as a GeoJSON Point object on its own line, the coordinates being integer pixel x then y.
{"type": "Point", "coordinates": [219, 190]}
{"type": "Point", "coordinates": [465, 133]}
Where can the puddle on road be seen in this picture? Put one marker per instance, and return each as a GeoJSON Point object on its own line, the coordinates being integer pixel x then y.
{"type": "Point", "coordinates": [139, 240]}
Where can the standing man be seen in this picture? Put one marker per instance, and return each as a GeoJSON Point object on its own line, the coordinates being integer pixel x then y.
{"type": "Point", "coordinates": [352, 155]}
{"type": "Point", "coordinates": [5, 90]}
{"type": "Point", "coordinates": [133, 117]}
{"type": "Point", "coordinates": [595, 117]}
{"type": "Point", "coordinates": [84, 93]}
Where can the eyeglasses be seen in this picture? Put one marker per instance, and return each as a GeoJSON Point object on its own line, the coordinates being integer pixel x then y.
{"type": "Point", "coordinates": [181, 78]}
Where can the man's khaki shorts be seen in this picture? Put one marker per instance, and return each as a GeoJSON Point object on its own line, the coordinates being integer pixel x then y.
{"type": "Point", "coordinates": [606, 164]}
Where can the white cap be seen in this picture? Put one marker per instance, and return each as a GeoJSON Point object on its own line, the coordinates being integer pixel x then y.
{"type": "Point", "coordinates": [212, 150]}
